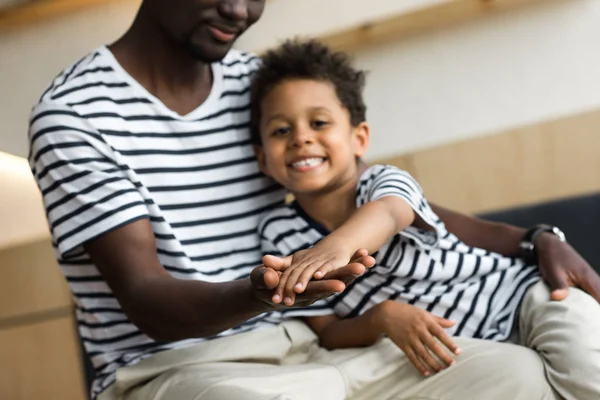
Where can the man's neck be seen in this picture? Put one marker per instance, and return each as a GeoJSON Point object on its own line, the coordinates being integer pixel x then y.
{"type": "Point", "coordinates": [163, 67]}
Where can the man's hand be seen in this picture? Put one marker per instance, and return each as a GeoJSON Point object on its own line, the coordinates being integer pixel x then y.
{"type": "Point", "coordinates": [266, 278]}
{"type": "Point", "coordinates": [306, 265]}
{"type": "Point", "coordinates": [419, 334]}
{"type": "Point", "coordinates": [561, 267]}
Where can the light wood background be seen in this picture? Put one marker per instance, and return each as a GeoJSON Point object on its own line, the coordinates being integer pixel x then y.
{"type": "Point", "coordinates": [545, 161]}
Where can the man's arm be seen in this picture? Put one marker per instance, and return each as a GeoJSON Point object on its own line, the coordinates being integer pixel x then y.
{"type": "Point", "coordinates": [560, 265]}
{"type": "Point", "coordinates": [168, 309]}
{"type": "Point", "coordinates": [493, 236]}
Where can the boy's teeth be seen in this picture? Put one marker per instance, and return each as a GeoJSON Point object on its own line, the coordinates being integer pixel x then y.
{"type": "Point", "coordinates": [308, 162]}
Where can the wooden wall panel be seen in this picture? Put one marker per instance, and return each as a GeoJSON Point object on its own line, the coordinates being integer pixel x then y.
{"type": "Point", "coordinates": [527, 165]}
{"type": "Point", "coordinates": [31, 281]}
{"type": "Point", "coordinates": [39, 361]}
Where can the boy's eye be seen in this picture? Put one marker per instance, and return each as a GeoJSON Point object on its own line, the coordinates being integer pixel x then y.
{"type": "Point", "coordinates": [318, 123]}
{"type": "Point", "coordinates": [281, 131]}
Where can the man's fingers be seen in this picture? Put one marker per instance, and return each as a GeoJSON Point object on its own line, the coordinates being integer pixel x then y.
{"type": "Point", "coordinates": [277, 263]}
{"type": "Point", "coordinates": [591, 284]}
{"type": "Point", "coordinates": [557, 280]}
{"type": "Point", "coordinates": [264, 278]}
{"type": "Point", "coordinates": [318, 289]}
{"type": "Point", "coordinates": [346, 273]}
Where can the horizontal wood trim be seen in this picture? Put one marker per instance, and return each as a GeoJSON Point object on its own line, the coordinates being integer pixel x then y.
{"type": "Point", "coordinates": [401, 26]}
{"type": "Point", "coordinates": [39, 10]}
{"type": "Point", "coordinates": [527, 165]}
{"type": "Point", "coordinates": [31, 281]}
{"type": "Point", "coordinates": [41, 361]}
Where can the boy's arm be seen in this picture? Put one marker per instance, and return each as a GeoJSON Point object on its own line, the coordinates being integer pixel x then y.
{"type": "Point", "coordinates": [372, 225]}
{"type": "Point", "coordinates": [335, 333]}
{"type": "Point", "coordinates": [418, 333]}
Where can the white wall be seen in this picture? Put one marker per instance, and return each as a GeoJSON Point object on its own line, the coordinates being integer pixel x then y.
{"type": "Point", "coordinates": [509, 70]}
{"type": "Point", "coordinates": [32, 56]}
{"type": "Point", "coordinates": [526, 65]}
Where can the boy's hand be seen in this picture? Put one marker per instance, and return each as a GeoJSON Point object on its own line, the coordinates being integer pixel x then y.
{"type": "Point", "coordinates": [419, 334]}
{"type": "Point", "coordinates": [305, 265]}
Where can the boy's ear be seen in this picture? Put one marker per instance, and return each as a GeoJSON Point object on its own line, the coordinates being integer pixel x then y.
{"type": "Point", "coordinates": [361, 139]}
{"type": "Point", "coordinates": [260, 156]}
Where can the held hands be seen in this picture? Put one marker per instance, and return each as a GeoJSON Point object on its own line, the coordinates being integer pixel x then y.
{"type": "Point", "coordinates": [419, 334]}
{"type": "Point", "coordinates": [300, 268]}
{"type": "Point", "coordinates": [266, 278]}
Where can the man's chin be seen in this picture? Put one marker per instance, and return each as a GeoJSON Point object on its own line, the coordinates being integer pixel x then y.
{"type": "Point", "coordinates": [209, 52]}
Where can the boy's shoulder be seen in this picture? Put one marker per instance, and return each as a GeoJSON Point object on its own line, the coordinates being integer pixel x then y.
{"type": "Point", "coordinates": [277, 220]}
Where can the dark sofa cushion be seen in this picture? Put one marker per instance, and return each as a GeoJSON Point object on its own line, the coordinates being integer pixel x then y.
{"type": "Point", "coordinates": [578, 217]}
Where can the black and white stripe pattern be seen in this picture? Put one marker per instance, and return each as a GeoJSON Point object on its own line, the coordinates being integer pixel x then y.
{"type": "Point", "coordinates": [432, 270]}
{"type": "Point", "coordinates": [105, 153]}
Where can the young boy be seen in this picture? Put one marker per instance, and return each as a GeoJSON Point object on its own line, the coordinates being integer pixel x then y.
{"type": "Point", "coordinates": [308, 123]}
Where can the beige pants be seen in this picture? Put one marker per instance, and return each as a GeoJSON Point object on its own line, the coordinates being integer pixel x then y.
{"type": "Point", "coordinates": [285, 363]}
{"type": "Point", "coordinates": [566, 334]}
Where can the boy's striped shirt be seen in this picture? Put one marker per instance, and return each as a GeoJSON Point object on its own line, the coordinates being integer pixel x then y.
{"type": "Point", "coordinates": [431, 269]}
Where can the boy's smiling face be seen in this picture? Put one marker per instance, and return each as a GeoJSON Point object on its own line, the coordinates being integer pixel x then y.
{"type": "Point", "coordinates": [308, 143]}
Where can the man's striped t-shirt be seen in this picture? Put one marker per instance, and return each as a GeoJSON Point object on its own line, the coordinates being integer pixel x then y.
{"type": "Point", "coordinates": [105, 153]}
{"type": "Point", "coordinates": [431, 269]}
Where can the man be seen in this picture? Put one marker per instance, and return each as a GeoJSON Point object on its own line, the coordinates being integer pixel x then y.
{"type": "Point", "coordinates": [143, 156]}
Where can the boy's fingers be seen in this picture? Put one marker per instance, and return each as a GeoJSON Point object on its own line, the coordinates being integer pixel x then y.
{"type": "Point", "coordinates": [416, 361]}
{"type": "Point", "coordinates": [424, 354]}
{"type": "Point", "coordinates": [359, 254]}
{"type": "Point", "coordinates": [439, 352]}
{"type": "Point", "coordinates": [446, 340]}
{"type": "Point", "coordinates": [278, 294]}
{"type": "Point", "coordinates": [296, 273]}
{"type": "Point", "coordinates": [306, 275]}
{"type": "Point", "coordinates": [444, 323]}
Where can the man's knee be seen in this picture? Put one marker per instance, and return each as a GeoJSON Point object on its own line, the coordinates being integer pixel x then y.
{"type": "Point", "coordinates": [506, 370]}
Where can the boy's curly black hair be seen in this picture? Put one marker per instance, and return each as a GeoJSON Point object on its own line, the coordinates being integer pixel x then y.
{"type": "Point", "coordinates": [296, 59]}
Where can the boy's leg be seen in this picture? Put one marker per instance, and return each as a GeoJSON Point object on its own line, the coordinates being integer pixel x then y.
{"type": "Point", "coordinates": [566, 334]}
{"type": "Point", "coordinates": [484, 370]}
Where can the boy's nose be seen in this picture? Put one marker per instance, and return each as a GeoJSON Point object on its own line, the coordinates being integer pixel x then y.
{"type": "Point", "coordinates": [301, 137]}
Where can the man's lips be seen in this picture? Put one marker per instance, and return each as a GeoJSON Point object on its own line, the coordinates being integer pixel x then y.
{"type": "Point", "coordinates": [222, 34]}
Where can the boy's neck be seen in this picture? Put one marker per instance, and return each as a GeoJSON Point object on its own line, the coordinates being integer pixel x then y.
{"type": "Point", "coordinates": [332, 209]}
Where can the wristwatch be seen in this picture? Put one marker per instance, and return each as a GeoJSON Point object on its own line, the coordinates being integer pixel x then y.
{"type": "Point", "coordinates": [527, 245]}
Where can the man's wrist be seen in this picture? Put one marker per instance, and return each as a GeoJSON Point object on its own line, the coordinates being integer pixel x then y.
{"type": "Point", "coordinates": [256, 298]}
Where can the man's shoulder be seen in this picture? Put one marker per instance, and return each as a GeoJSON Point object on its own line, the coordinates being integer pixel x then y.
{"type": "Point", "coordinates": [88, 71]}
{"type": "Point", "coordinates": [277, 220]}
